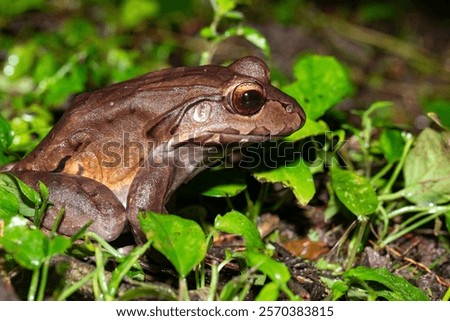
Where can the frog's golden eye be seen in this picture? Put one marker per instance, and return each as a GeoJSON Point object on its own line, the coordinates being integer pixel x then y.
{"type": "Point", "coordinates": [248, 98]}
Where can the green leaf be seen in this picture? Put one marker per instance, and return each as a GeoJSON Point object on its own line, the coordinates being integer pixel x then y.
{"type": "Point", "coordinates": [441, 108]}
{"type": "Point", "coordinates": [252, 35]}
{"type": "Point", "coordinates": [124, 267]}
{"type": "Point", "coordinates": [5, 134]}
{"type": "Point", "coordinates": [338, 288]}
{"type": "Point", "coordinates": [20, 60]}
{"type": "Point", "coordinates": [236, 223]}
{"type": "Point", "coordinates": [14, 8]}
{"type": "Point", "coordinates": [311, 128]}
{"type": "Point", "coordinates": [30, 246]}
{"type": "Point", "coordinates": [427, 169]}
{"type": "Point", "coordinates": [27, 246]}
{"type": "Point", "coordinates": [9, 184]}
{"type": "Point", "coordinates": [321, 82]}
{"type": "Point", "coordinates": [397, 287]}
{"type": "Point", "coordinates": [224, 6]}
{"type": "Point", "coordinates": [8, 204]}
{"type": "Point", "coordinates": [65, 83]}
{"type": "Point", "coordinates": [26, 126]}
{"type": "Point", "coordinates": [392, 143]}
{"type": "Point", "coordinates": [269, 292]}
{"type": "Point", "coordinates": [354, 191]}
{"type": "Point", "coordinates": [219, 183]}
{"type": "Point", "coordinates": [58, 244]}
{"type": "Point", "coordinates": [180, 240]}
{"type": "Point", "coordinates": [29, 193]}
{"type": "Point", "coordinates": [276, 271]}
{"type": "Point", "coordinates": [295, 175]}
{"type": "Point", "coordinates": [135, 12]}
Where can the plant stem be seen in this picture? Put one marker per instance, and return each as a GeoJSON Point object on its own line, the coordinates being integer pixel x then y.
{"type": "Point", "coordinates": [119, 273]}
{"type": "Point", "coordinates": [381, 173]}
{"type": "Point", "coordinates": [214, 282]}
{"type": "Point", "coordinates": [409, 141]}
{"type": "Point", "coordinates": [415, 208]}
{"type": "Point", "coordinates": [33, 285]}
{"type": "Point", "coordinates": [183, 294]}
{"type": "Point", "coordinates": [44, 278]}
{"type": "Point", "coordinates": [390, 197]}
{"type": "Point", "coordinates": [257, 206]}
{"type": "Point", "coordinates": [74, 287]}
{"type": "Point", "coordinates": [361, 231]}
{"type": "Point", "coordinates": [394, 236]}
{"type": "Point", "coordinates": [385, 218]}
{"type": "Point", "coordinates": [101, 272]}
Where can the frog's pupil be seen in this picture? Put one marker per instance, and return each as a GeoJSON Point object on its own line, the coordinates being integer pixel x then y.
{"type": "Point", "coordinates": [252, 99]}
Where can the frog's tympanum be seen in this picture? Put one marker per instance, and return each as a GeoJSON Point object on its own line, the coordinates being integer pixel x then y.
{"type": "Point", "coordinates": [125, 149]}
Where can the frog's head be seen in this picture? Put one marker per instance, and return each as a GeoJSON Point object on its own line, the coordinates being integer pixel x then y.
{"type": "Point", "coordinates": [234, 104]}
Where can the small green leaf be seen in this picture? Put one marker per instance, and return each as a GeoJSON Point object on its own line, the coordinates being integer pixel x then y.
{"type": "Point", "coordinates": [276, 271]}
{"type": "Point", "coordinates": [269, 292]}
{"type": "Point", "coordinates": [20, 60]}
{"type": "Point", "coordinates": [354, 191]}
{"type": "Point", "coordinates": [427, 169]}
{"type": "Point", "coordinates": [224, 6]}
{"type": "Point", "coordinates": [9, 184]}
{"type": "Point", "coordinates": [338, 288]}
{"type": "Point", "coordinates": [321, 82]}
{"type": "Point", "coordinates": [180, 240]}
{"type": "Point", "coordinates": [441, 108]}
{"type": "Point", "coordinates": [311, 128]}
{"type": "Point", "coordinates": [207, 33]}
{"type": "Point", "coordinates": [5, 134]}
{"type": "Point", "coordinates": [67, 80]}
{"type": "Point", "coordinates": [236, 223]}
{"type": "Point", "coordinates": [295, 175]}
{"type": "Point", "coordinates": [397, 287]}
{"type": "Point", "coordinates": [392, 143]}
{"type": "Point", "coordinates": [29, 128]}
{"type": "Point", "coordinates": [30, 246]}
{"type": "Point", "coordinates": [14, 8]}
{"type": "Point", "coordinates": [43, 190]}
{"type": "Point", "coordinates": [29, 193]}
{"type": "Point", "coordinates": [124, 267]}
{"type": "Point", "coordinates": [236, 15]}
{"type": "Point", "coordinates": [58, 245]}
{"type": "Point", "coordinates": [219, 182]}
{"type": "Point", "coordinates": [135, 12]}
{"type": "Point", "coordinates": [252, 35]}
{"type": "Point", "coordinates": [27, 246]}
{"type": "Point", "coordinates": [8, 203]}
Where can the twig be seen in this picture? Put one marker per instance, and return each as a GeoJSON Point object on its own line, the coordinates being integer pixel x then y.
{"type": "Point", "coordinates": [439, 279]}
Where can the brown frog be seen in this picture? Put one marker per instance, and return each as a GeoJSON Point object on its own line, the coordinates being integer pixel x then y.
{"type": "Point", "coordinates": [126, 148]}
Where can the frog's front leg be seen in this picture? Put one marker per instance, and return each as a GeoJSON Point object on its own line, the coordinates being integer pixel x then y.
{"type": "Point", "coordinates": [84, 200]}
{"type": "Point", "coordinates": [148, 192]}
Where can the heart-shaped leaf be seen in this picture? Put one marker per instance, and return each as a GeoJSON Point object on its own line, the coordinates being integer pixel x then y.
{"type": "Point", "coordinates": [398, 288]}
{"type": "Point", "coordinates": [180, 240]}
{"type": "Point", "coordinates": [295, 175]}
{"type": "Point", "coordinates": [276, 271]}
{"type": "Point", "coordinates": [321, 82]}
{"type": "Point", "coordinates": [354, 191]}
{"type": "Point", "coordinates": [427, 169]}
{"type": "Point", "coordinates": [236, 223]}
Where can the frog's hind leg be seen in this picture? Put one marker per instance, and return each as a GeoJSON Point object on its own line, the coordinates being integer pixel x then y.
{"type": "Point", "coordinates": [84, 201]}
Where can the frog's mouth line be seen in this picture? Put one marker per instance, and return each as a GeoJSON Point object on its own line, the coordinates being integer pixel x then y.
{"type": "Point", "coordinates": [220, 138]}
